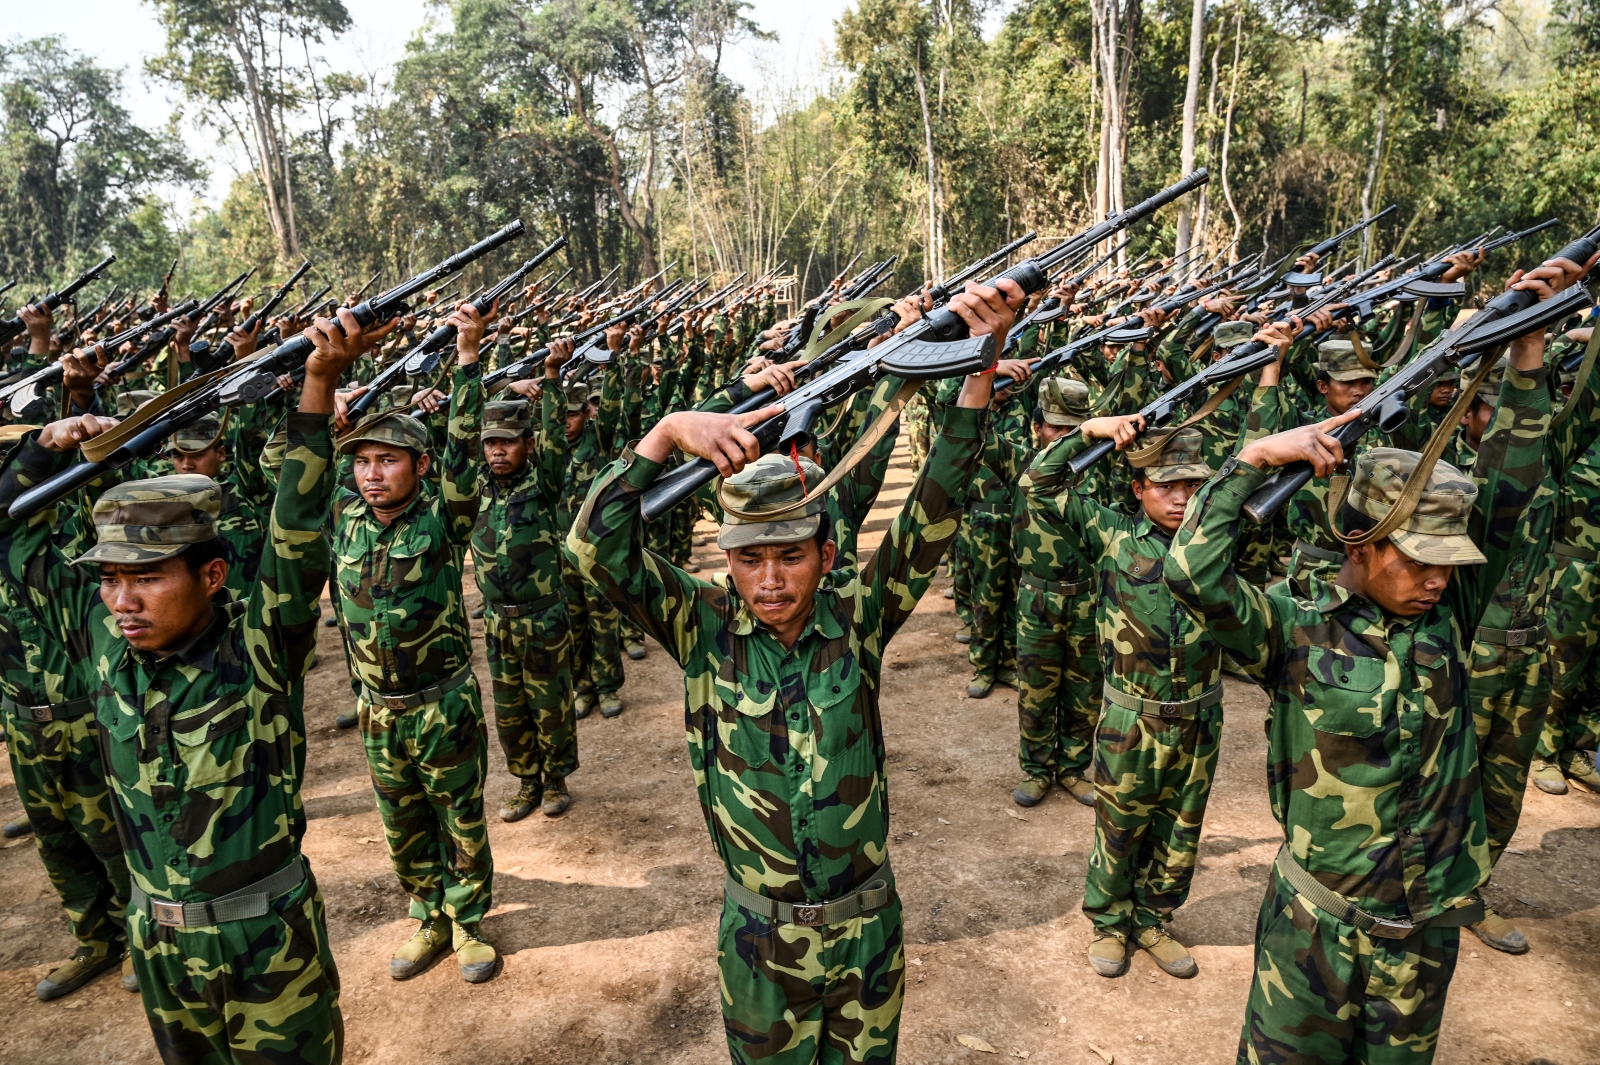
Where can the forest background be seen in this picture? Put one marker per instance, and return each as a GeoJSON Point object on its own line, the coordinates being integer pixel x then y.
{"type": "Point", "coordinates": [617, 124]}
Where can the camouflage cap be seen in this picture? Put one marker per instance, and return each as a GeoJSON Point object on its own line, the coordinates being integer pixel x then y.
{"type": "Point", "coordinates": [147, 521]}
{"type": "Point", "coordinates": [1436, 533]}
{"type": "Point", "coordinates": [1489, 387]}
{"type": "Point", "coordinates": [577, 394]}
{"type": "Point", "coordinates": [773, 487]}
{"type": "Point", "coordinates": [197, 437]}
{"type": "Point", "coordinates": [506, 420]}
{"type": "Point", "coordinates": [1450, 375]}
{"type": "Point", "coordinates": [399, 397]}
{"type": "Point", "coordinates": [1231, 334]}
{"type": "Point", "coordinates": [1064, 401]}
{"type": "Point", "coordinates": [133, 399]}
{"type": "Point", "coordinates": [595, 388]}
{"type": "Point", "coordinates": [387, 427]}
{"type": "Point", "coordinates": [1182, 458]}
{"type": "Point", "coordinates": [1338, 359]}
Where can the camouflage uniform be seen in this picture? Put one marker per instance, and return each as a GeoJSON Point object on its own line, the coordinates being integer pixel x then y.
{"type": "Point", "coordinates": [516, 558]}
{"type": "Point", "coordinates": [205, 752]}
{"type": "Point", "coordinates": [597, 646]}
{"type": "Point", "coordinates": [410, 652]}
{"type": "Point", "coordinates": [1372, 770]}
{"type": "Point", "coordinates": [788, 751]}
{"type": "Point", "coordinates": [239, 526]}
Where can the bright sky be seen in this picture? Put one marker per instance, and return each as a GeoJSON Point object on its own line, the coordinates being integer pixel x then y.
{"type": "Point", "coordinates": [123, 32]}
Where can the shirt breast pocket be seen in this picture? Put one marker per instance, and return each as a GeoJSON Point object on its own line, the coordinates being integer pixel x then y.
{"type": "Point", "coordinates": [1344, 692]}
{"type": "Point", "coordinates": [213, 742]}
{"type": "Point", "coordinates": [415, 561]}
{"type": "Point", "coordinates": [748, 724]}
{"type": "Point", "coordinates": [838, 728]}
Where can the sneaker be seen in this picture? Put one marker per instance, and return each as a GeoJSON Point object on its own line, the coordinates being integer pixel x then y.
{"type": "Point", "coordinates": [1499, 933]}
{"type": "Point", "coordinates": [964, 634]}
{"type": "Point", "coordinates": [1006, 678]}
{"type": "Point", "coordinates": [1580, 767]}
{"type": "Point", "coordinates": [479, 961]}
{"type": "Point", "coordinates": [130, 979]}
{"type": "Point", "coordinates": [1108, 954]}
{"type": "Point", "coordinates": [582, 705]}
{"type": "Point", "coordinates": [17, 829]}
{"type": "Point", "coordinates": [556, 797]}
{"type": "Point", "coordinates": [635, 649]}
{"type": "Point", "coordinates": [350, 720]}
{"type": "Point", "coordinates": [1031, 792]}
{"type": "Point", "coordinates": [78, 970]}
{"type": "Point", "coordinates": [425, 947]}
{"type": "Point", "coordinates": [525, 801]}
{"type": "Point", "coordinates": [979, 687]}
{"type": "Point", "coordinates": [610, 705]}
{"type": "Point", "coordinates": [1548, 778]}
{"type": "Point", "coordinates": [1079, 789]}
{"type": "Point", "coordinates": [477, 615]}
{"type": "Point", "coordinates": [1170, 956]}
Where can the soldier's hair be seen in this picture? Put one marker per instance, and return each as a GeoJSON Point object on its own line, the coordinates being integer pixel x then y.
{"type": "Point", "coordinates": [824, 533]}
{"type": "Point", "coordinates": [1037, 418]}
{"type": "Point", "coordinates": [1322, 375]}
{"type": "Point", "coordinates": [197, 555]}
{"type": "Point", "coordinates": [1352, 521]}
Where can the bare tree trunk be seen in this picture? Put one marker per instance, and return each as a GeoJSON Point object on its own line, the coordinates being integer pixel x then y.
{"type": "Point", "coordinates": [1203, 210]}
{"type": "Point", "coordinates": [1227, 127]}
{"type": "Point", "coordinates": [1191, 105]}
{"type": "Point", "coordinates": [935, 255]}
{"type": "Point", "coordinates": [1372, 180]}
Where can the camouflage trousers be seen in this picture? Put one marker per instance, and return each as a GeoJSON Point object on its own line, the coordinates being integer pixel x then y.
{"type": "Point", "coordinates": [530, 669]}
{"type": "Point", "coordinates": [259, 991]}
{"type": "Point", "coordinates": [428, 765]}
{"type": "Point", "coordinates": [1510, 697]}
{"type": "Point", "coordinates": [62, 784]}
{"type": "Point", "coordinates": [1152, 778]}
{"type": "Point", "coordinates": [993, 582]}
{"type": "Point", "coordinates": [596, 632]}
{"type": "Point", "coordinates": [1573, 723]}
{"type": "Point", "coordinates": [793, 995]}
{"type": "Point", "coordinates": [919, 430]}
{"type": "Point", "coordinates": [1326, 992]}
{"type": "Point", "coordinates": [1058, 667]}
{"type": "Point", "coordinates": [961, 571]}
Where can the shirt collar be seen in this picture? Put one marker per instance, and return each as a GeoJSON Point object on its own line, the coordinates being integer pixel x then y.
{"type": "Point", "coordinates": [200, 652]}
{"type": "Point", "coordinates": [826, 617]}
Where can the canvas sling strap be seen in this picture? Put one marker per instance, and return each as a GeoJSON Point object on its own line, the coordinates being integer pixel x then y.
{"type": "Point", "coordinates": [1585, 368]}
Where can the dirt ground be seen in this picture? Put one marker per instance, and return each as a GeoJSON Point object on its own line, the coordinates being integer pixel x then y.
{"type": "Point", "coordinates": [607, 917]}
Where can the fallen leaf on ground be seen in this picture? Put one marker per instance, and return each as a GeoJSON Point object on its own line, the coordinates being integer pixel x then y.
{"type": "Point", "coordinates": [916, 961]}
{"type": "Point", "coordinates": [369, 839]}
{"type": "Point", "coordinates": [1513, 850]}
{"type": "Point", "coordinates": [1023, 1054]}
{"type": "Point", "coordinates": [1014, 813]}
{"type": "Point", "coordinates": [942, 821]}
{"type": "Point", "coordinates": [1104, 1055]}
{"type": "Point", "coordinates": [972, 1042]}
{"type": "Point", "coordinates": [74, 1004]}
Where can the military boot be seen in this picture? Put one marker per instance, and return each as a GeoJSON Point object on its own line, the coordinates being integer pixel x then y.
{"type": "Point", "coordinates": [610, 705]}
{"type": "Point", "coordinates": [1548, 778]}
{"type": "Point", "coordinates": [635, 649]}
{"type": "Point", "coordinates": [1006, 678]}
{"type": "Point", "coordinates": [79, 969]}
{"type": "Point", "coordinates": [964, 634]}
{"type": "Point", "coordinates": [1170, 956]}
{"type": "Point", "coordinates": [331, 621]}
{"type": "Point", "coordinates": [582, 704]}
{"type": "Point", "coordinates": [556, 797]}
{"type": "Point", "coordinates": [477, 615]}
{"type": "Point", "coordinates": [1499, 933]}
{"type": "Point", "coordinates": [17, 829]}
{"type": "Point", "coordinates": [1580, 767]}
{"type": "Point", "coordinates": [349, 720]}
{"type": "Point", "coordinates": [949, 593]}
{"type": "Point", "coordinates": [980, 686]}
{"type": "Point", "coordinates": [130, 979]}
{"type": "Point", "coordinates": [1079, 789]}
{"type": "Point", "coordinates": [1108, 954]}
{"type": "Point", "coordinates": [1031, 792]}
{"type": "Point", "coordinates": [479, 961]}
{"type": "Point", "coordinates": [693, 567]}
{"type": "Point", "coordinates": [525, 801]}
{"type": "Point", "coordinates": [424, 948]}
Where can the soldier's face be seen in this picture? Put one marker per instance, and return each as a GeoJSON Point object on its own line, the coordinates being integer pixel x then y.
{"type": "Point", "coordinates": [779, 580]}
{"type": "Point", "coordinates": [386, 475]}
{"type": "Point", "coordinates": [1442, 395]}
{"type": "Point", "coordinates": [1164, 503]}
{"type": "Point", "coordinates": [208, 462]}
{"type": "Point", "coordinates": [575, 420]}
{"type": "Point", "coordinates": [1342, 395]}
{"type": "Point", "coordinates": [162, 605]}
{"type": "Point", "coordinates": [1386, 576]}
{"type": "Point", "coordinates": [506, 458]}
{"type": "Point", "coordinates": [1476, 422]}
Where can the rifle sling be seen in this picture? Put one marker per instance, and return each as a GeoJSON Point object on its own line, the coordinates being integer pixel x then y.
{"type": "Point", "coordinates": [1354, 336]}
{"type": "Point", "coordinates": [1409, 341]}
{"type": "Point", "coordinates": [860, 311]}
{"type": "Point", "coordinates": [1579, 383]}
{"type": "Point", "coordinates": [95, 449]}
{"type": "Point", "coordinates": [1406, 505]}
{"type": "Point", "coordinates": [1158, 437]}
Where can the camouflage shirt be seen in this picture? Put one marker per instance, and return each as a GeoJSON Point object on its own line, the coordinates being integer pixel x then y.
{"type": "Point", "coordinates": [516, 541]}
{"type": "Point", "coordinates": [786, 745]}
{"type": "Point", "coordinates": [1372, 767]}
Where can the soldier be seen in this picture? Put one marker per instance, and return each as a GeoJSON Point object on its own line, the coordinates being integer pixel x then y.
{"type": "Point", "coordinates": [399, 547]}
{"type": "Point", "coordinates": [1372, 768]}
{"type": "Point", "coordinates": [516, 557]}
{"type": "Point", "coordinates": [201, 449]}
{"type": "Point", "coordinates": [199, 727]}
{"type": "Point", "coordinates": [781, 676]}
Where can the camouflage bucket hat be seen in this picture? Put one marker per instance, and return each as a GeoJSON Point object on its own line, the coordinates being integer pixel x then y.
{"type": "Point", "coordinates": [1231, 334]}
{"type": "Point", "coordinates": [199, 436]}
{"type": "Point", "coordinates": [577, 394]}
{"type": "Point", "coordinates": [1182, 458]}
{"type": "Point", "coordinates": [1064, 401]}
{"type": "Point", "coordinates": [387, 427]}
{"type": "Point", "coordinates": [147, 521]}
{"type": "Point", "coordinates": [133, 399]}
{"type": "Point", "coordinates": [773, 489]}
{"type": "Point", "coordinates": [1338, 359]}
{"type": "Point", "coordinates": [506, 420]}
{"type": "Point", "coordinates": [1436, 533]}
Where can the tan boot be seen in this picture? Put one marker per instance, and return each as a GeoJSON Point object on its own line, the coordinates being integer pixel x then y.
{"type": "Point", "coordinates": [130, 979]}
{"type": "Point", "coordinates": [78, 970]}
{"type": "Point", "coordinates": [610, 705]}
{"type": "Point", "coordinates": [425, 947]}
{"type": "Point", "coordinates": [964, 634]}
{"type": "Point", "coordinates": [1079, 789]}
{"type": "Point", "coordinates": [979, 687]}
{"type": "Point", "coordinates": [1580, 767]}
{"type": "Point", "coordinates": [479, 961]}
{"type": "Point", "coordinates": [1031, 792]}
{"type": "Point", "coordinates": [1548, 778]}
{"type": "Point", "coordinates": [635, 649]}
{"type": "Point", "coordinates": [524, 802]}
{"type": "Point", "coordinates": [556, 797]}
{"type": "Point", "coordinates": [1108, 954]}
{"type": "Point", "coordinates": [1500, 933]}
{"type": "Point", "coordinates": [582, 704]}
{"type": "Point", "coordinates": [1170, 956]}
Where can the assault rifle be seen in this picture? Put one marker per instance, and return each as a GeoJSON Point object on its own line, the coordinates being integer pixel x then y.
{"type": "Point", "coordinates": [1423, 281]}
{"type": "Point", "coordinates": [516, 371]}
{"type": "Point", "coordinates": [1325, 248]}
{"type": "Point", "coordinates": [597, 354]}
{"type": "Point", "coordinates": [205, 359]}
{"type": "Point", "coordinates": [23, 393]}
{"type": "Point", "coordinates": [14, 327]}
{"type": "Point", "coordinates": [246, 382]}
{"type": "Point", "coordinates": [937, 345]}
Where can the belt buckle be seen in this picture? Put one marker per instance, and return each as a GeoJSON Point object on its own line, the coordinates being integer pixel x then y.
{"type": "Point", "coordinates": [809, 915]}
{"type": "Point", "coordinates": [1517, 637]}
{"type": "Point", "coordinates": [1171, 709]}
{"type": "Point", "coordinates": [167, 913]}
{"type": "Point", "coordinates": [41, 712]}
{"type": "Point", "coordinates": [1384, 928]}
{"type": "Point", "coordinates": [394, 702]}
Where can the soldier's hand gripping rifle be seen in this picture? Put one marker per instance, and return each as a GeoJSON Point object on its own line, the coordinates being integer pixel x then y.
{"type": "Point", "coordinates": [1051, 307]}
{"type": "Point", "coordinates": [424, 357]}
{"type": "Point", "coordinates": [246, 382]}
{"type": "Point", "coordinates": [706, 304]}
{"type": "Point", "coordinates": [1508, 316]}
{"type": "Point", "coordinates": [586, 358]}
{"type": "Point", "coordinates": [1423, 281]}
{"type": "Point", "coordinates": [937, 345]}
{"type": "Point", "coordinates": [526, 365]}
{"type": "Point", "coordinates": [206, 358]}
{"type": "Point", "coordinates": [15, 327]}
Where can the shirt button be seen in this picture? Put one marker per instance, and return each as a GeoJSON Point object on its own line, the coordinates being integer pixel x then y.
{"type": "Point", "coordinates": [167, 817]}
{"type": "Point", "coordinates": [802, 822]}
{"type": "Point", "coordinates": [161, 778]}
{"type": "Point", "coordinates": [173, 863]}
{"type": "Point", "coordinates": [836, 689]}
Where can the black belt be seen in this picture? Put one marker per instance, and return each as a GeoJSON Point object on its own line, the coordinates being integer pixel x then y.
{"type": "Point", "coordinates": [252, 900]}
{"type": "Point", "coordinates": [1058, 587]}
{"type": "Point", "coordinates": [67, 711]}
{"type": "Point", "coordinates": [410, 700]}
{"type": "Point", "coordinates": [1531, 636]}
{"type": "Point", "coordinates": [522, 610]}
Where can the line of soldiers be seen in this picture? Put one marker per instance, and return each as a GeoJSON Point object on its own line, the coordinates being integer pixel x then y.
{"type": "Point", "coordinates": [161, 624]}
